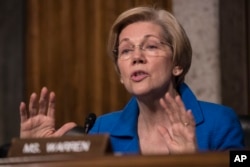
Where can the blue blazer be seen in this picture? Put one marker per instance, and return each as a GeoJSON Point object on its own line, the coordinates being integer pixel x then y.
{"type": "Point", "coordinates": [217, 126]}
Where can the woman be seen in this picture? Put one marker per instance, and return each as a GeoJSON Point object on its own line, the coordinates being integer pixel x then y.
{"type": "Point", "coordinates": [152, 54]}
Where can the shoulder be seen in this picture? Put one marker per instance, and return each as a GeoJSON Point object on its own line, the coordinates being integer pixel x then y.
{"type": "Point", "coordinates": [217, 110]}
{"type": "Point", "coordinates": [110, 116]}
{"type": "Point", "coordinates": [106, 122]}
{"type": "Point", "coordinates": [220, 129]}
{"type": "Point", "coordinates": [117, 119]}
{"type": "Point", "coordinates": [219, 118]}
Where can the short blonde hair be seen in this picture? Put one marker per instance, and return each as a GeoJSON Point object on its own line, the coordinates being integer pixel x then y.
{"type": "Point", "coordinates": [173, 33]}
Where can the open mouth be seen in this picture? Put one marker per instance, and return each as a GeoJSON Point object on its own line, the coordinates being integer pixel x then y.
{"type": "Point", "coordinates": [139, 76]}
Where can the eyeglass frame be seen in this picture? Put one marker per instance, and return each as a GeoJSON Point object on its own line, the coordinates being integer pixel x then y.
{"type": "Point", "coordinates": [140, 46]}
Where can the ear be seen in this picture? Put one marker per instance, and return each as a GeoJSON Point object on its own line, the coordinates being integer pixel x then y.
{"type": "Point", "coordinates": [177, 70]}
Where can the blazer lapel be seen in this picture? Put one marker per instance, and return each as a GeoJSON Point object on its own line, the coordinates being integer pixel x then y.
{"type": "Point", "coordinates": [124, 134]}
{"type": "Point", "coordinates": [191, 102]}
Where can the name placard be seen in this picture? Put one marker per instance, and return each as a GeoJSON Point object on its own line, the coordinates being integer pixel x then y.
{"type": "Point", "coordinates": [88, 144]}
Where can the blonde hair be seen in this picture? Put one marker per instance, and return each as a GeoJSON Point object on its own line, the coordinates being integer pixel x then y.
{"type": "Point", "coordinates": [173, 33]}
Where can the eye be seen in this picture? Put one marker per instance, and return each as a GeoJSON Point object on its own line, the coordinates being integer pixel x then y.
{"type": "Point", "coordinates": [151, 46]}
{"type": "Point", "coordinates": [125, 50]}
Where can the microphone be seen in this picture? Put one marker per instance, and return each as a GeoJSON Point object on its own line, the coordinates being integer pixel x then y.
{"type": "Point", "coordinates": [89, 122]}
{"type": "Point", "coordinates": [79, 130]}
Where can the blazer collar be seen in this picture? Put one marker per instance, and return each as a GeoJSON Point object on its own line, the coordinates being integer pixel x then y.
{"type": "Point", "coordinates": [191, 102]}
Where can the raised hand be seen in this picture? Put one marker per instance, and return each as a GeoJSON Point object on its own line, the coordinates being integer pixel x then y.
{"type": "Point", "coordinates": [180, 135]}
{"type": "Point", "coordinates": [39, 119]}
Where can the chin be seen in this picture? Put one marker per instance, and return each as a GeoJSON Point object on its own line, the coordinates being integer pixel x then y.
{"type": "Point", "coordinates": [147, 93]}
{"type": "Point", "coordinates": [141, 90]}
{"type": "Point", "coordinates": [141, 93]}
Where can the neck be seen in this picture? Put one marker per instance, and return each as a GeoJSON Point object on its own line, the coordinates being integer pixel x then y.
{"type": "Point", "coordinates": [151, 113]}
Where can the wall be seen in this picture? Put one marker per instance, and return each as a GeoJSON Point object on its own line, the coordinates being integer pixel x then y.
{"type": "Point", "coordinates": [200, 19]}
{"type": "Point", "coordinates": [11, 67]}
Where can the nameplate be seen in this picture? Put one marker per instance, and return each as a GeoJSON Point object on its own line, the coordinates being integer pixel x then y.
{"type": "Point", "coordinates": [88, 145]}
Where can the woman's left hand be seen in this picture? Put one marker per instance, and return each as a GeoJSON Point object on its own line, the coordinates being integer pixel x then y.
{"type": "Point", "coordinates": [180, 135]}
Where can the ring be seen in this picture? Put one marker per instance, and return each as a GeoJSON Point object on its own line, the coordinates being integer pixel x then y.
{"type": "Point", "coordinates": [185, 123]}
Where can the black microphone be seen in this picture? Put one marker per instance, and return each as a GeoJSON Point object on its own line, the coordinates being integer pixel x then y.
{"type": "Point", "coordinates": [79, 130]}
{"type": "Point", "coordinates": [89, 122]}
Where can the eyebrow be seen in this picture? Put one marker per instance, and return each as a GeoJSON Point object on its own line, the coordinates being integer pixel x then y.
{"type": "Point", "coordinates": [145, 37]}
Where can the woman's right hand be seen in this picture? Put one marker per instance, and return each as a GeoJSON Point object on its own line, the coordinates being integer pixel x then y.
{"type": "Point", "coordinates": [39, 120]}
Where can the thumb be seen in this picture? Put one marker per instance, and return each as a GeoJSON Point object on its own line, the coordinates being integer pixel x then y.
{"type": "Point", "coordinates": [66, 127]}
{"type": "Point", "coordinates": [164, 133]}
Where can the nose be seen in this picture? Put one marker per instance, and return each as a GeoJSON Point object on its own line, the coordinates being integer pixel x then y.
{"type": "Point", "coordinates": [138, 57]}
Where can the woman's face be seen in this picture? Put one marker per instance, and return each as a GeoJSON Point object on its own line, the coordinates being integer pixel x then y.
{"type": "Point", "coordinates": [145, 60]}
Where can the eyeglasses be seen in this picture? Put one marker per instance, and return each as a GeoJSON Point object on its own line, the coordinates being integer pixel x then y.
{"type": "Point", "coordinates": [151, 46]}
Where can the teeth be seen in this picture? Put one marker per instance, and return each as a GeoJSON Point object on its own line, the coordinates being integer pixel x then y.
{"type": "Point", "coordinates": [139, 73]}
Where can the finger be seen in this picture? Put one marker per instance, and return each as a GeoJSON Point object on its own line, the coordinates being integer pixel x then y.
{"type": "Point", "coordinates": [166, 135]}
{"type": "Point", "coordinates": [171, 108]}
{"type": "Point", "coordinates": [184, 116]}
{"type": "Point", "coordinates": [166, 104]}
{"type": "Point", "coordinates": [180, 104]}
{"type": "Point", "coordinates": [43, 101]}
{"type": "Point", "coordinates": [191, 118]}
{"type": "Point", "coordinates": [52, 105]}
{"type": "Point", "coordinates": [65, 128]}
{"type": "Point", "coordinates": [23, 112]}
{"type": "Point", "coordinates": [164, 132]}
{"type": "Point", "coordinates": [33, 105]}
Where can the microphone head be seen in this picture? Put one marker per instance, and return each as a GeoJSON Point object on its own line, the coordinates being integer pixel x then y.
{"type": "Point", "coordinates": [89, 122]}
{"type": "Point", "coordinates": [90, 119]}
